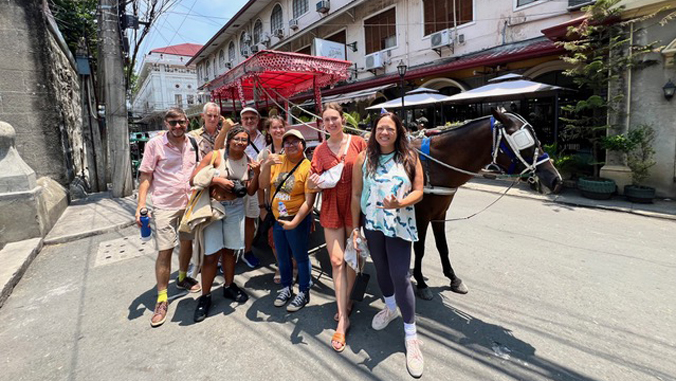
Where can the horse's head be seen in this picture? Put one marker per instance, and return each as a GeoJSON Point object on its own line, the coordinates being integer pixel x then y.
{"type": "Point", "coordinates": [516, 149]}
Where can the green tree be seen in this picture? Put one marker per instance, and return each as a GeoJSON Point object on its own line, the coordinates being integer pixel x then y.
{"type": "Point", "coordinates": [600, 52]}
{"type": "Point", "coordinates": [76, 21]}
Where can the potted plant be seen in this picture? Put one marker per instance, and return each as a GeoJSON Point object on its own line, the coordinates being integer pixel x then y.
{"type": "Point", "coordinates": [640, 160]}
{"type": "Point", "coordinates": [637, 147]}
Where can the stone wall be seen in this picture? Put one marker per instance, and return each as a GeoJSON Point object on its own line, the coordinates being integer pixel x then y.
{"type": "Point", "coordinates": [39, 92]}
{"type": "Point", "coordinates": [648, 105]}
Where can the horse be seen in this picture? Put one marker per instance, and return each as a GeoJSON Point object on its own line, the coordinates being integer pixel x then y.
{"type": "Point", "coordinates": [505, 141]}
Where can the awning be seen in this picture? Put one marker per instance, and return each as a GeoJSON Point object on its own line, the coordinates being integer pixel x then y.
{"type": "Point", "coordinates": [505, 90]}
{"type": "Point", "coordinates": [411, 100]}
{"type": "Point", "coordinates": [355, 96]}
{"type": "Point", "coordinates": [539, 47]}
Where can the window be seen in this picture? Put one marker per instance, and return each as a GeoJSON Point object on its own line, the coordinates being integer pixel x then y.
{"type": "Point", "coordinates": [257, 32]}
{"type": "Point", "coordinates": [179, 100]}
{"type": "Point", "coordinates": [231, 52]}
{"type": "Point", "coordinates": [299, 8]}
{"type": "Point", "coordinates": [520, 3]}
{"type": "Point", "coordinates": [243, 46]}
{"type": "Point", "coordinates": [221, 58]}
{"type": "Point", "coordinates": [381, 31]}
{"type": "Point", "coordinates": [207, 74]}
{"type": "Point", "coordinates": [191, 99]}
{"type": "Point", "coordinates": [213, 64]}
{"type": "Point", "coordinates": [276, 21]}
{"type": "Point", "coordinates": [439, 14]}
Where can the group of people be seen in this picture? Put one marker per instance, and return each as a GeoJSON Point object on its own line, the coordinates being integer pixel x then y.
{"type": "Point", "coordinates": [255, 174]}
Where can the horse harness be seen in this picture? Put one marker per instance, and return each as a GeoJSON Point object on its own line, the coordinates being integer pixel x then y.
{"type": "Point", "coordinates": [510, 144]}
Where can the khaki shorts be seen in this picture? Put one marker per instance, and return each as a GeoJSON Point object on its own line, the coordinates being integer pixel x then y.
{"type": "Point", "coordinates": [164, 223]}
{"type": "Point", "coordinates": [251, 209]}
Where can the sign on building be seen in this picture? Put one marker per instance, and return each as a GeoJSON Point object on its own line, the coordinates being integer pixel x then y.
{"type": "Point", "coordinates": [330, 49]}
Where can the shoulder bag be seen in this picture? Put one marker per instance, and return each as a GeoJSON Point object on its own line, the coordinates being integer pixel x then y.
{"type": "Point", "coordinates": [331, 176]}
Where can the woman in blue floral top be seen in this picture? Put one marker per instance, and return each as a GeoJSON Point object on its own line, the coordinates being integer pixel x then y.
{"type": "Point", "coordinates": [387, 180]}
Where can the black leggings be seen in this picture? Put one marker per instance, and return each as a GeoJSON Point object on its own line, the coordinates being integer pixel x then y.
{"type": "Point", "coordinates": [392, 258]}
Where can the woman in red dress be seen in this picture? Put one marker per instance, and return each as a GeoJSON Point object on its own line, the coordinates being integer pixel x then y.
{"type": "Point", "coordinates": [336, 216]}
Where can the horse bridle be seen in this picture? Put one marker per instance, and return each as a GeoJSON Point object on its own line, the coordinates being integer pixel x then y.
{"type": "Point", "coordinates": [502, 141]}
{"type": "Point", "coordinates": [512, 145]}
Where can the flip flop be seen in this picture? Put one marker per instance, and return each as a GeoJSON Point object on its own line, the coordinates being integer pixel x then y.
{"type": "Point", "coordinates": [340, 339]}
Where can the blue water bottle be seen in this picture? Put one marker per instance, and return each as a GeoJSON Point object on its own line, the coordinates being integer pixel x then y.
{"type": "Point", "coordinates": [145, 224]}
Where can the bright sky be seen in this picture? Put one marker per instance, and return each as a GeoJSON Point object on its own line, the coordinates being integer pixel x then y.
{"type": "Point", "coordinates": [193, 21]}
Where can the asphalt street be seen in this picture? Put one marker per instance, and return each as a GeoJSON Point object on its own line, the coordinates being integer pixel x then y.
{"type": "Point", "coordinates": [556, 293]}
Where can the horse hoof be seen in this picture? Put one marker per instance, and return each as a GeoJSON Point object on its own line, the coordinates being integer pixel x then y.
{"type": "Point", "coordinates": [424, 293]}
{"type": "Point", "coordinates": [458, 286]}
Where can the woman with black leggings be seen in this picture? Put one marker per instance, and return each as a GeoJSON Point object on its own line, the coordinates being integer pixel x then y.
{"type": "Point", "coordinates": [387, 180]}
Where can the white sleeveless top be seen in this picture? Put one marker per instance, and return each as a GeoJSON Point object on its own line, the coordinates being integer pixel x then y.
{"type": "Point", "coordinates": [390, 178]}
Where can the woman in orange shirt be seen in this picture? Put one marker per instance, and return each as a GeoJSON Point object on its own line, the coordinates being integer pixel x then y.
{"type": "Point", "coordinates": [336, 217]}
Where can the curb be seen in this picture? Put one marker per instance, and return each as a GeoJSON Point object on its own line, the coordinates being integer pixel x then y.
{"type": "Point", "coordinates": [559, 200]}
{"type": "Point", "coordinates": [89, 233]}
{"type": "Point", "coordinates": [18, 273]}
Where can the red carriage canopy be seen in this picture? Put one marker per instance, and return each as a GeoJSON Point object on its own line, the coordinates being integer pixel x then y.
{"type": "Point", "coordinates": [286, 73]}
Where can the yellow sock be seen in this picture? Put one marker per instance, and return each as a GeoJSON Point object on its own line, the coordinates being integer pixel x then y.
{"type": "Point", "coordinates": [182, 275]}
{"type": "Point", "coordinates": [162, 296]}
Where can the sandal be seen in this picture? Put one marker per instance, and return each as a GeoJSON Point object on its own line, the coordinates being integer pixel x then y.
{"type": "Point", "coordinates": [277, 278]}
{"type": "Point", "coordinates": [340, 339]}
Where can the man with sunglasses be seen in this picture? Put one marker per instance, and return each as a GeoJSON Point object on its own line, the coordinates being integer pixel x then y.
{"type": "Point", "coordinates": [168, 162]}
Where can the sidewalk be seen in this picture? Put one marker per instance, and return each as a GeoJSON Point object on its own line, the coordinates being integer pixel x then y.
{"type": "Point", "coordinates": [97, 214]}
{"type": "Point", "coordinates": [661, 208]}
{"type": "Point", "coordinates": [100, 213]}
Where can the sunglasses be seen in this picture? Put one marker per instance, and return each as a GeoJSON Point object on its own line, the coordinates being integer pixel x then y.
{"type": "Point", "coordinates": [174, 123]}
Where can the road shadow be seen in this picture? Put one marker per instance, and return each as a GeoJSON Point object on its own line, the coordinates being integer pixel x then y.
{"type": "Point", "coordinates": [493, 345]}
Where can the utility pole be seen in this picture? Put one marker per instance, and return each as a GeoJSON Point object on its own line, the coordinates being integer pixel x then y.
{"type": "Point", "coordinates": [110, 57]}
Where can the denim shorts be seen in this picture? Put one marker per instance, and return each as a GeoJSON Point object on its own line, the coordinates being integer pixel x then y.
{"type": "Point", "coordinates": [227, 233]}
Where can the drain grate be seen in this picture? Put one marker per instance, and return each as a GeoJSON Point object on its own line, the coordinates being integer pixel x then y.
{"type": "Point", "coordinates": [120, 249]}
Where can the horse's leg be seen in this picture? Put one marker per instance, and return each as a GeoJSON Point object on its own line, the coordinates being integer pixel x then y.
{"type": "Point", "coordinates": [439, 230]}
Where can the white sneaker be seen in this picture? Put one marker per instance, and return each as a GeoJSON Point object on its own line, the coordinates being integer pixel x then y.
{"type": "Point", "coordinates": [383, 318]}
{"type": "Point", "coordinates": [414, 358]}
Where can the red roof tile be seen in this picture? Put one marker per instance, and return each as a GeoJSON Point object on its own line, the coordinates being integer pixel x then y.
{"type": "Point", "coordinates": [179, 50]}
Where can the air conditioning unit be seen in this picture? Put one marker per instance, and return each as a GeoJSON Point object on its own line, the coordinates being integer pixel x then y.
{"type": "Point", "coordinates": [246, 38]}
{"type": "Point", "coordinates": [441, 39]}
{"type": "Point", "coordinates": [228, 65]}
{"type": "Point", "coordinates": [293, 24]}
{"type": "Point", "coordinates": [265, 39]}
{"type": "Point", "coordinates": [323, 6]}
{"type": "Point", "coordinates": [245, 51]}
{"type": "Point", "coordinates": [374, 61]}
{"type": "Point", "coordinates": [279, 33]}
{"type": "Point", "coordinates": [254, 49]}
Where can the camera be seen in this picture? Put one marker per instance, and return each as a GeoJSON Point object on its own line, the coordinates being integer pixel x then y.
{"type": "Point", "coordinates": [238, 189]}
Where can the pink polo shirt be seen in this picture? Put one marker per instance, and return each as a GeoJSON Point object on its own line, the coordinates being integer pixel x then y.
{"type": "Point", "coordinates": [171, 169]}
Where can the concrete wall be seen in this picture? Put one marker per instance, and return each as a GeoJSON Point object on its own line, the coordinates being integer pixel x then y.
{"type": "Point", "coordinates": [39, 92]}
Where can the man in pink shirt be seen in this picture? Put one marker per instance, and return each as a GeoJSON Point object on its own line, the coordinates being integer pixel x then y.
{"type": "Point", "coordinates": [168, 163]}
